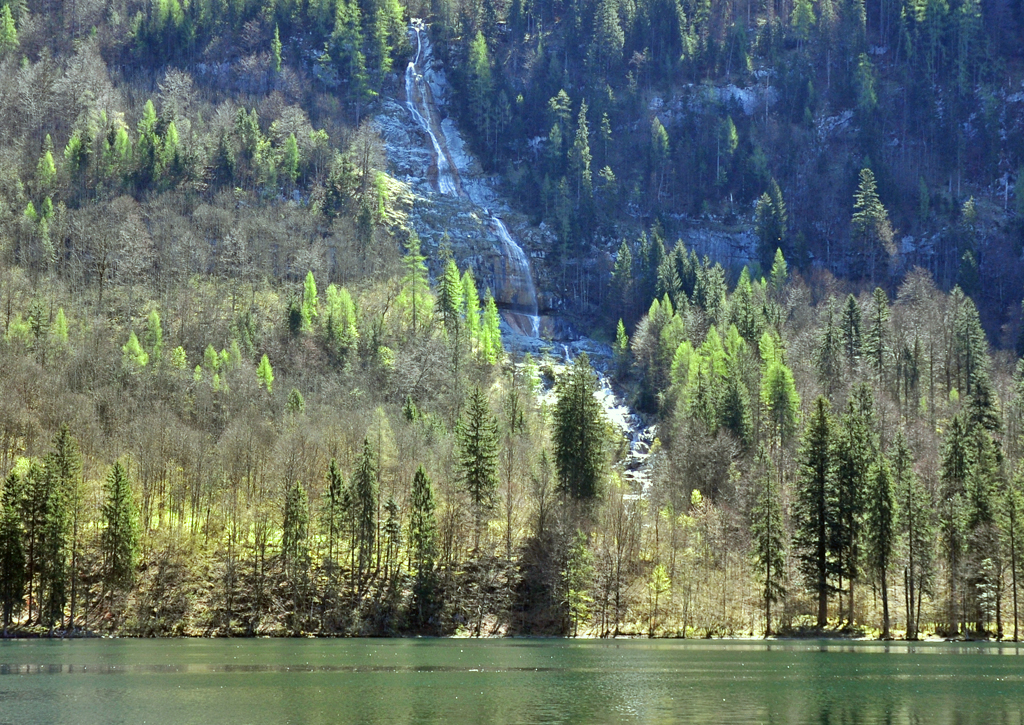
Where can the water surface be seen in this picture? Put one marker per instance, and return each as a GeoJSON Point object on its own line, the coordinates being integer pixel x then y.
{"type": "Point", "coordinates": [458, 682]}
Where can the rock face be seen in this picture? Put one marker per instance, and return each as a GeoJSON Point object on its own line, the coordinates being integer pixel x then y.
{"type": "Point", "coordinates": [454, 203]}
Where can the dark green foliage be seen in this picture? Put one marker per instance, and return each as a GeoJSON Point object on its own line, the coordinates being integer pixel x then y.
{"type": "Point", "coordinates": [13, 574]}
{"type": "Point", "coordinates": [364, 495]}
{"type": "Point", "coordinates": [478, 457]}
{"type": "Point", "coordinates": [881, 530]}
{"type": "Point", "coordinates": [579, 433]}
{"type": "Point", "coordinates": [120, 537]}
{"type": "Point", "coordinates": [767, 532]}
{"type": "Point", "coordinates": [814, 511]}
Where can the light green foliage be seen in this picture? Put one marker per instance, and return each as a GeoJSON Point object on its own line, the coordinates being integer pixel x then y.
{"type": "Point", "coordinates": [59, 329]}
{"type": "Point", "coordinates": [275, 52]}
{"type": "Point", "coordinates": [46, 170]}
{"type": "Point", "coordinates": [179, 359]}
{"type": "Point", "coordinates": [265, 374]}
{"type": "Point", "coordinates": [340, 320]}
{"type": "Point", "coordinates": [8, 31]}
{"type": "Point", "coordinates": [491, 348]}
{"type": "Point", "coordinates": [133, 356]}
{"type": "Point", "coordinates": [576, 580]}
{"type": "Point", "coordinates": [290, 159]}
{"type": "Point", "coordinates": [310, 302]}
{"type": "Point", "coordinates": [780, 400]}
{"type": "Point", "coordinates": [471, 300]}
{"type": "Point", "coordinates": [415, 301]}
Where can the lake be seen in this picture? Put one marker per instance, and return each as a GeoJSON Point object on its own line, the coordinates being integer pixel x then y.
{"type": "Point", "coordinates": [209, 682]}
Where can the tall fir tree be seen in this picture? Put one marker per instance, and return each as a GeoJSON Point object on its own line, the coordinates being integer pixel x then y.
{"type": "Point", "coordinates": [579, 433]}
{"type": "Point", "coordinates": [478, 458]}
{"type": "Point", "coordinates": [814, 511]}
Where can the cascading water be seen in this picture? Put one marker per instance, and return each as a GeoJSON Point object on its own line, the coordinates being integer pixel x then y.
{"type": "Point", "coordinates": [517, 273]}
{"type": "Point", "coordinates": [419, 100]}
{"type": "Point", "coordinates": [510, 276]}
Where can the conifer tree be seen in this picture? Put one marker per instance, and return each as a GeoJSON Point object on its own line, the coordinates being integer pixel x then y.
{"type": "Point", "coordinates": [877, 342]}
{"type": "Point", "coordinates": [415, 283]}
{"type": "Point", "coordinates": [13, 574]}
{"type": "Point", "coordinates": [364, 504]}
{"type": "Point", "coordinates": [814, 511]}
{"type": "Point", "coordinates": [768, 538]}
{"type": "Point", "coordinates": [870, 228]}
{"type": "Point", "coordinates": [8, 31]}
{"type": "Point", "coordinates": [120, 537]}
{"type": "Point", "coordinates": [827, 355]}
{"type": "Point", "coordinates": [955, 464]}
{"type": "Point", "coordinates": [310, 302]}
{"type": "Point", "coordinates": [881, 526]}
{"type": "Point", "coordinates": [490, 334]}
{"type": "Point", "coordinates": [295, 529]}
{"type": "Point", "coordinates": [915, 524]}
{"type": "Point", "coordinates": [478, 458]}
{"type": "Point", "coordinates": [333, 511]}
{"type": "Point", "coordinates": [471, 301]}
{"type": "Point", "coordinates": [579, 433]}
{"type": "Point", "coordinates": [265, 374]}
{"type": "Point", "coordinates": [851, 323]}
{"type": "Point", "coordinates": [340, 320]}
{"type": "Point", "coordinates": [154, 336]}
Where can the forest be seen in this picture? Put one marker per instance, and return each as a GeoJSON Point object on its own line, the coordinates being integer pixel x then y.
{"type": "Point", "coordinates": [237, 397]}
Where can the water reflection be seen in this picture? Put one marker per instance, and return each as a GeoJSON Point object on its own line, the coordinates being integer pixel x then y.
{"type": "Point", "coordinates": [517, 681]}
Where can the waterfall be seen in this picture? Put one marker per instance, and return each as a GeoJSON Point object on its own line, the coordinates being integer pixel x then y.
{"type": "Point", "coordinates": [517, 273]}
{"type": "Point", "coordinates": [418, 99]}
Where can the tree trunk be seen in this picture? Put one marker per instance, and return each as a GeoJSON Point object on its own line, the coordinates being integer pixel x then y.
{"type": "Point", "coordinates": [885, 606]}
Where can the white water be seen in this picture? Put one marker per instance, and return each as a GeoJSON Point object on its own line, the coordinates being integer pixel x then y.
{"type": "Point", "coordinates": [418, 101]}
{"type": "Point", "coordinates": [517, 268]}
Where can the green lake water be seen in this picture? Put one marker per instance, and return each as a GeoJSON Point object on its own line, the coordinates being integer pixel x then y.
{"type": "Point", "coordinates": [209, 682]}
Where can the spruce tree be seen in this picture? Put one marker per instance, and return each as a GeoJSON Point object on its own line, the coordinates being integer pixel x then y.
{"type": "Point", "coordinates": [850, 324]}
{"type": "Point", "coordinates": [579, 433]}
{"type": "Point", "coordinates": [333, 514]}
{"type": "Point", "coordinates": [881, 531]}
{"type": "Point", "coordinates": [814, 511]}
{"type": "Point", "coordinates": [120, 538]}
{"type": "Point", "coordinates": [768, 539]}
{"type": "Point", "coordinates": [364, 507]}
{"type": "Point", "coordinates": [13, 573]}
{"type": "Point", "coordinates": [478, 458]}
{"type": "Point", "coordinates": [915, 525]}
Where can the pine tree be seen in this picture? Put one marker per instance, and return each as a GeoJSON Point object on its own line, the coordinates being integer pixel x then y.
{"type": "Point", "coordinates": [120, 537]}
{"type": "Point", "coordinates": [771, 224]}
{"type": "Point", "coordinates": [915, 524]}
{"type": "Point", "coordinates": [814, 511]}
{"type": "Point", "coordinates": [13, 573]}
{"type": "Point", "coordinates": [579, 433]}
{"type": "Point", "coordinates": [579, 158]}
{"type": "Point", "coordinates": [478, 458]}
{"type": "Point", "coordinates": [422, 524]}
{"type": "Point", "coordinates": [451, 300]}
